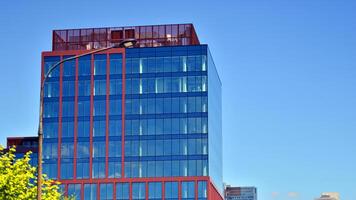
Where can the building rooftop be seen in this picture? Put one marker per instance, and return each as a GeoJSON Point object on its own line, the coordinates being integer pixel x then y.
{"type": "Point", "coordinates": [146, 36]}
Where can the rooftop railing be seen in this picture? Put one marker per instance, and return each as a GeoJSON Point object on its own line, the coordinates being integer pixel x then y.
{"type": "Point", "coordinates": [146, 36]}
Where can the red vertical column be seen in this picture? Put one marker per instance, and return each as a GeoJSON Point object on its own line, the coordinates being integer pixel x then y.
{"type": "Point", "coordinates": [130, 187]}
{"type": "Point", "coordinates": [123, 112]}
{"type": "Point", "coordinates": [180, 190]}
{"type": "Point", "coordinates": [60, 120]}
{"type": "Point", "coordinates": [75, 121]}
{"type": "Point", "coordinates": [114, 192]}
{"type": "Point", "coordinates": [146, 188]}
{"type": "Point", "coordinates": [91, 115]}
{"type": "Point", "coordinates": [107, 116]}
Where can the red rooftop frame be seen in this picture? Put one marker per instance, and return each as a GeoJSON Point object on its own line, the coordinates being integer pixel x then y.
{"type": "Point", "coordinates": [146, 36]}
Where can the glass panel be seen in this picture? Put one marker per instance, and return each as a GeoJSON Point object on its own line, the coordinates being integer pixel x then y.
{"type": "Point", "coordinates": [90, 191]}
{"type": "Point", "coordinates": [154, 190]}
{"type": "Point", "coordinates": [122, 191]}
{"type": "Point", "coordinates": [188, 190]}
{"type": "Point", "coordinates": [106, 191]}
{"type": "Point", "coordinates": [99, 64]}
{"type": "Point", "coordinates": [138, 191]}
{"type": "Point", "coordinates": [171, 190]}
{"type": "Point", "coordinates": [202, 189]}
{"type": "Point", "coordinates": [74, 190]}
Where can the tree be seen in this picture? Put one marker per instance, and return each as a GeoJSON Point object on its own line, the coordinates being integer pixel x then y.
{"type": "Point", "coordinates": [18, 180]}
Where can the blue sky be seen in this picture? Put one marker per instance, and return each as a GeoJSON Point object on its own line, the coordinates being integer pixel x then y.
{"type": "Point", "coordinates": [288, 70]}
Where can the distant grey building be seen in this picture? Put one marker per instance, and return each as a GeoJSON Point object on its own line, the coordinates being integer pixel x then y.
{"type": "Point", "coordinates": [329, 196]}
{"type": "Point", "coordinates": [240, 193]}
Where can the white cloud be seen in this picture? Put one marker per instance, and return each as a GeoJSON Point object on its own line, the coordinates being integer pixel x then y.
{"type": "Point", "coordinates": [275, 194]}
{"type": "Point", "coordinates": [293, 195]}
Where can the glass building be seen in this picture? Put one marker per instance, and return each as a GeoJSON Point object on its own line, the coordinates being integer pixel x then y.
{"type": "Point", "coordinates": [24, 145]}
{"type": "Point", "coordinates": [136, 123]}
{"type": "Point", "coordinates": [240, 193]}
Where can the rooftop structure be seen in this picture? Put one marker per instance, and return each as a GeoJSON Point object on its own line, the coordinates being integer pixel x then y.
{"type": "Point", "coordinates": [146, 36]}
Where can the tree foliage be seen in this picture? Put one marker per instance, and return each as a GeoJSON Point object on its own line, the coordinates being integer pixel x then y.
{"type": "Point", "coordinates": [18, 180]}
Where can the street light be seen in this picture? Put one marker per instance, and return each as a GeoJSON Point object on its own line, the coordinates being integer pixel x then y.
{"type": "Point", "coordinates": [123, 44]}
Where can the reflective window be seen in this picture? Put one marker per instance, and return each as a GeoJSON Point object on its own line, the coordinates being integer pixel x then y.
{"type": "Point", "coordinates": [188, 190]}
{"type": "Point", "coordinates": [98, 149]}
{"type": "Point", "coordinates": [82, 169]}
{"type": "Point", "coordinates": [115, 63]}
{"type": "Point", "coordinates": [114, 148]}
{"type": "Point", "coordinates": [68, 88]}
{"type": "Point", "coordinates": [202, 190]}
{"type": "Point", "coordinates": [74, 190]}
{"type": "Point", "coordinates": [138, 191]}
{"type": "Point", "coordinates": [84, 88]}
{"type": "Point", "coordinates": [98, 170]}
{"type": "Point", "coordinates": [115, 86]}
{"type": "Point", "coordinates": [51, 89]}
{"type": "Point", "coordinates": [50, 129]}
{"type": "Point", "coordinates": [50, 150]}
{"type": "Point", "coordinates": [99, 107]}
{"type": "Point", "coordinates": [83, 149]}
{"type": "Point", "coordinates": [68, 109]}
{"type": "Point", "coordinates": [115, 127]}
{"type": "Point", "coordinates": [115, 107]}
{"type": "Point", "coordinates": [50, 109]}
{"type": "Point", "coordinates": [99, 64]}
{"type": "Point", "coordinates": [106, 191]}
{"type": "Point", "coordinates": [90, 191]}
{"type": "Point", "coordinates": [115, 169]}
{"type": "Point", "coordinates": [83, 108]}
{"type": "Point", "coordinates": [69, 67]}
{"type": "Point", "coordinates": [99, 87]}
{"type": "Point", "coordinates": [171, 190]}
{"type": "Point", "coordinates": [84, 65]}
{"type": "Point", "coordinates": [99, 128]}
{"type": "Point", "coordinates": [67, 129]}
{"type": "Point", "coordinates": [49, 62]}
{"type": "Point", "coordinates": [66, 170]}
{"type": "Point", "coordinates": [154, 190]}
{"type": "Point", "coordinates": [67, 149]}
{"type": "Point", "coordinates": [50, 169]}
{"type": "Point", "coordinates": [122, 191]}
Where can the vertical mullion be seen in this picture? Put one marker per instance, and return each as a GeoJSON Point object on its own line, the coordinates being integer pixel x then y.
{"type": "Point", "coordinates": [123, 113]}
{"type": "Point", "coordinates": [91, 116]}
{"type": "Point", "coordinates": [163, 190]}
{"type": "Point", "coordinates": [60, 121]}
{"type": "Point", "coordinates": [130, 189]}
{"type": "Point", "coordinates": [75, 121]}
{"type": "Point", "coordinates": [107, 117]}
{"type": "Point", "coordinates": [180, 190]}
{"type": "Point", "coordinates": [114, 191]}
{"type": "Point", "coordinates": [146, 188]}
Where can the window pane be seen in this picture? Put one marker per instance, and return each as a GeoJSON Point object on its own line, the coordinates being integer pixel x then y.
{"type": "Point", "coordinates": [202, 193]}
{"type": "Point", "coordinates": [138, 191]}
{"type": "Point", "coordinates": [122, 191]}
{"type": "Point", "coordinates": [171, 190]}
{"type": "Point", "coordinates": [90, 191]}
{"type": "Point", "coordinates": [100, 64]}
{"type": "Point", "coordinates": [115, 63]}
{"type": "Point", "coordinates": [188, 190]}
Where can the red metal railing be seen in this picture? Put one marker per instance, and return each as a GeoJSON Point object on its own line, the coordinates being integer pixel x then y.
{"type": "Point", "coordinates": [146, 36]}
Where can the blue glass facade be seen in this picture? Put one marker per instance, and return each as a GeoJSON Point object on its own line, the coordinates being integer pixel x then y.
{"type": "Point", "coordinates": [145, 113]}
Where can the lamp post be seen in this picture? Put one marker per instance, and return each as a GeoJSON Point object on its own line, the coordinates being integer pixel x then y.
{"type": "Point", "coordinates": [124, 44]}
